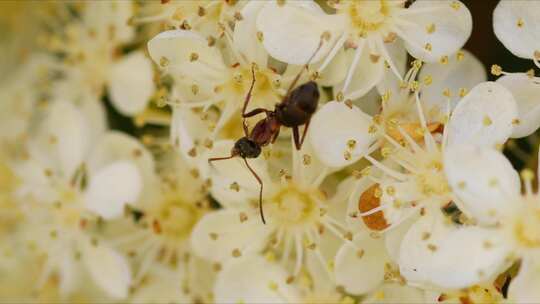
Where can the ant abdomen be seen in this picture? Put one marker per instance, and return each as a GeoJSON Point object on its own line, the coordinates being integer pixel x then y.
{"type": "Point", "coordinates": [299, 105]}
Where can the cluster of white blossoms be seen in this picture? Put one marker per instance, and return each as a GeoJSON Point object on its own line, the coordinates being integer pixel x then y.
{"type": "Point", "coordinates": [279, 151]}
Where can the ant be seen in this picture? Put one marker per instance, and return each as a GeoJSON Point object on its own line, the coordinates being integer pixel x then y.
{"type": "Point", "coordinates": [294, 110]}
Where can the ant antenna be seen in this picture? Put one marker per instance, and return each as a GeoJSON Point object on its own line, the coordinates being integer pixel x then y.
{"type": "Point", "coordinates": [210, 160]}
{"type": "Point", "coordinates": [305, 67]}
{"type": "Point", "coordinates": [260, 190]}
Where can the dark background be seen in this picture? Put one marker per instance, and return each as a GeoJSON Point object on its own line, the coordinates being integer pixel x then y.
{"type": "Point", "coordinates": [484, 44]}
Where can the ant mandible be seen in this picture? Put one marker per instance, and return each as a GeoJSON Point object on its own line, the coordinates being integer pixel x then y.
{"type": "Point", "coordinates": [293, 111]}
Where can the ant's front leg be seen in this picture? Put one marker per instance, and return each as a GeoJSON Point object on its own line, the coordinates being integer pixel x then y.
{"type": "Point", "coordinates": [248, 95]}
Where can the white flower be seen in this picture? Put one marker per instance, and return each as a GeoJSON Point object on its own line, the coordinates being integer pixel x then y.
{"type": "Point", "coordinates": [412, 178]}
{"type": "Point", "coordinates": [341, 133]}
{"type": "Point", "coordinates": [93, 57]}
{"type": "Point", "coordinates": [268, 283]}
{"type": "Point", "coordinates": [65, 188]}
{"type": "Point", "coordinates": [431, 30]}
{"type": "Point", "coordinates": [493, 196]}
{"type": "Point", "coordinates": [20, 93]}
{"type": "Point", "coordinates": [204, 79]}
{"type": "Point", "coordinates": [173, 201]}
{"type": "Point", "coordinates": [207, 17]}
{"type": "Point", "coordinates": [301, 221]}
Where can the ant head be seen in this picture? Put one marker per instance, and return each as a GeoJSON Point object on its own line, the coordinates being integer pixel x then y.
{"type": "Point", "coordinates": [307, 96]}
{"type": "Point", "coordinates": [246, 148]}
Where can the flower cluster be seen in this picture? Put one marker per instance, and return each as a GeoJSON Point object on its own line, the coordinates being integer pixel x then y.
{"type": "Point", "coordinates": [221, 151]}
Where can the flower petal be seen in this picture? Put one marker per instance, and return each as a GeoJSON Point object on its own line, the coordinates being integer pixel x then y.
{"type": "Point", "coordinates": [292, 31]}
{"type": "Point", "coordinates": [484, 117]}
{"type": "Point", "coordinates": [254, 280]}
{"type": "Point", "coordinates": [438, 32]}
{"type": "Point", "coordinates": [187, 56]}
{"type": "Point", "coordinates": [245, 34]}
{"type": "Point", "coordinates": [340, 134]}
{"type": "Point", "coordinates": [524, 287]}
{"type": "Point", "coordinates": [131, 83]}
{"type": "Point", "coordinates": [395, 293]}
{"type": "Point", "coordinates": [218, 234]}
{"type": "Point", "coordinates": [65, 136]}
{"type": "Point", "coordinates": [112, 187]}
{"type": "Point", "coordinates": [483, 179]}
{"type": "Point", "coordinates": [516, 25]}
{"type": "Point", "coordinates": [368, 256]}
{"type": "Point", "coordinates": [461, 73]}
{"type": "Point", "coordinates": [226, 173]}
{"type": "Point", "coordinates": [108, 268]}
{"type": "Point", "coordinates": [116, 146]}
{"type": "Point", "coordinates": [484, 258]}
{"type": "Point", "coordinates": [526, 91]}
{"type": "Point", "coordinates": [369, 73]}
{"type": "Point", "coordinates": [416, 254]}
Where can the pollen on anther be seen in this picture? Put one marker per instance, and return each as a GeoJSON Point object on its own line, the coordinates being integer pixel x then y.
{"type": "Point", "coordinates": [430, 28]}
{"type": "Point", "coordinates": [306, 159]}
{"type": "Point", "coordinates": [496, 70]}
{"type": "Point", "coordinates": [236, 253]}
{"type": "Point", "coordinates": [487, 121]}
{"type": "Point", "coordinates": [234, 186]}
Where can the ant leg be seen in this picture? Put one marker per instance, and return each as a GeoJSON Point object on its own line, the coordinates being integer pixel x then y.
{"type": "Point", "coordinates": [254, 112]}
{"type": "Point", "coordinates": [260, 190]}
{"type": "Point", "coordinates": [296, 136]}
{"type": "Point", "coordinates": [304, 133]}
{"type": "Point", "coordinates": [274, 138]}
{"type": "Point", "coordinates": [248, 96]}
{"type": "Point", "coordinates": [305, 67]}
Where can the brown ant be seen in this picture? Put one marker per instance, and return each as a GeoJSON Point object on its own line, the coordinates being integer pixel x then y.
{"type": "Point", "coordinates": [293, 111]}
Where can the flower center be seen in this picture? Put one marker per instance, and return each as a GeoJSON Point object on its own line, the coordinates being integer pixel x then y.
{"type": "Point", "coordinates": [292, 206]}
{"type": "Point", "coordinates": [431, 179]}
{"type": "Point", "coordinates": [174, 218]}
{"type": "Point", "coordinates": [525, 226]}
{"type": "Point", "coordinates": [367, 15]}
{"type": "Point", "coordinates": [241, 81]}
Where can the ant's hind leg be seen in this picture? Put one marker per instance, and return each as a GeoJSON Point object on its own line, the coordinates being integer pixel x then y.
{"type": "Point", "coordinates": [296, 137]}
{"type": "Point", "coordinates": [260, 190]}
{"type": "Point", "coordinates": [304, 133]}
